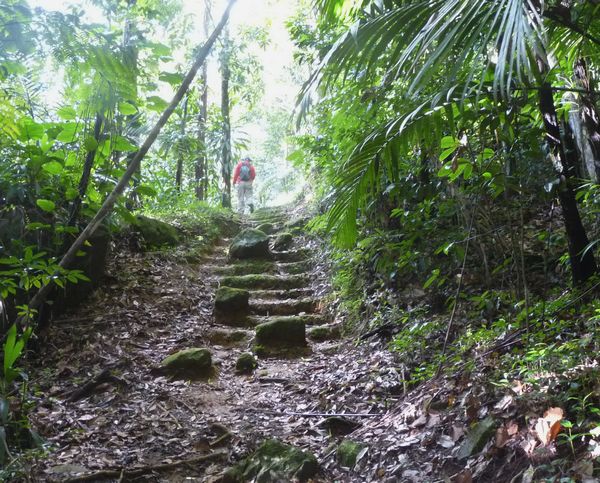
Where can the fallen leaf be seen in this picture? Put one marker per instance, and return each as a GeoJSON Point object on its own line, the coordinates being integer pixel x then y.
{"type": "Point", "coordinates": [548, 427]}
{"type": "Point", "coordinates": [502, 437]}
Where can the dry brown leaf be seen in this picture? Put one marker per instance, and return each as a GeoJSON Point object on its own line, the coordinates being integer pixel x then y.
{"type": "Point", "coordinates": [512, 428]}
{"type": "Point", "coordinates": [465, 476]}
{"type": "Point", "coordinates": [502, 437]}
{"type": "Point", "coordinates": [548, 427]}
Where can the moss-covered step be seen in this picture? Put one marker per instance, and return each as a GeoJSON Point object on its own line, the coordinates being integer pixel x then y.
{"type": "Point", "coordinates": [293, 255]}
{"type": "Point", "coordinates": [308, 319]}
{"type": "Point", "coordinates": [250, 243]}
{"type": "Point", "coordinates": [348, 452]}
{"type": "Point", "coordinates": [230, 300]}
{"type": "Point", "coordinates": [293, 293]}
{"type": "Point", "coordinates": [268, 228]}
{"type": "Point", "coordinates": [324, 332]}
{"type": "Point", "coordinates": [283, 241]}
{"type": "Point", "coordinates": [228, 337]}
{"type": "Point", "coordinates": [280, 332]}
{"type": "Point", "coordinates": [283, 307]}
{"type": "Point", "coordinates": [263, 281]}
{"type": "Point", "coordinates": [294, 268]}
{"type": "Point", "coordinates": [189, 363]}
{"type": "Point", "coordinates": [156, 233]}
{"type": "Point", "coordinates": [246, 267]}
{"type": "Point", "coordinates": [273, 462]}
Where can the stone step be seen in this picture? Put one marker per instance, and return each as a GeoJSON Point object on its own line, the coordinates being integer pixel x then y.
{"type": "Point", "coordinates": [299, 255]}
{"type": "Point", "coordinates": [228, 337]}
{"type": "Point", "coordinates": [283, 307]}
{"type": "Point", "coordinates": [294, 268]}
{"type": "Point", "coordinates": [308, 319]}
{"type": "Point", "coordinates": [254, 267]}
{"type": "Point", "coordinates": [280, 294]}
{"type": "Point", "coordinates": [262, 281]}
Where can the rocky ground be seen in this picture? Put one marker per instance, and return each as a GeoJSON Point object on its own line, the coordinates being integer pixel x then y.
{"type": "Point", "coordinates": [181, 368]}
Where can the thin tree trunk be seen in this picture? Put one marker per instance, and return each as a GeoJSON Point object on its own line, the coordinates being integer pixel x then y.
{"type": "Point", "coordinates": [110, 201]}
{"type": "Point", "coordinates": [590, 117]}
{"type": "Point", "coordinates": [226, 143]}
{"type": "Point", "coordinates": [201, 168]}
{"type": "Point", "coordinates": [181, 151]}
{"type": "Point", "coordinates": [85, 175]}
{"type": "Point", "coordinates": [583, 266]}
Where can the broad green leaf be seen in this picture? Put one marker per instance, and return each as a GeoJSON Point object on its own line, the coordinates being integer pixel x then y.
{"type": "Point", "coordinates": [448, 142]}
{"type": "Point", "coordinates": [172, 78]}
{"type": "Point", "coordinates": [156, 103]}
{"type": "Point", "coordinates": [127, 109]}
{"type": "Point", "coordinates": [146, 190]}
{"type": "Point", "coordinates": [71, 194]}
{"type": "Point", "coordinates": [90, 144]}
{"type": "Point", "coordinates": [53, 167]}
{"type": "Point", "coordinates": [67, 135]}
{"type": "Point", "coordinates": [122, 144]}
{"type": "Point", "coordinates": [67, 113]}
{"type": "Point", "coordinates": [29, 129]}
{"type": "Point", "coordinates": [46, 205]}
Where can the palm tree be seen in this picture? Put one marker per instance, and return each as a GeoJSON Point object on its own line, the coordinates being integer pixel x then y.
{"type": "Point", "coordinates": [451, 52]}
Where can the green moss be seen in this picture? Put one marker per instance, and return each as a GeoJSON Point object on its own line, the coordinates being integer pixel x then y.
{"type": "Point", "coordinates": [231, 300]}
{"type": "Point", "coordinates": [227, 337]}
{"type": "Point", "coordinates": [247, 267]}
{"type": "Point", "coordinates": [267, 228]}
{"type": "Point", "coordinates": [320, 334]}
{"type": "Point", "coordinates": [193, 362]}
{"type": "Point", "coordinates": [347, 453]}
{"type": "Point", "coordinates": [262, 281]}
{"type": "Point", "coordinates": [275, 461]}
{"type": "Point", "coordinates": [282, 332]}
{"type": "Point", "coordinates": [250, 243]}
{"type": "Point", "coordinates": [156, 233]}
{"type": "Point", "coordinates": [246, 363]}
{"type": "Point", "coordinates": [283, 241]}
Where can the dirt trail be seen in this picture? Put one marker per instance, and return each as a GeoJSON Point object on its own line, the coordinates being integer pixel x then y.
{"type": "Point", "coordinates": [143, 426]}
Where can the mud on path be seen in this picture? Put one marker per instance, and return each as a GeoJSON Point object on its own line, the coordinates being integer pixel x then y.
{"type": "Point", "coordinates": [139, 425]}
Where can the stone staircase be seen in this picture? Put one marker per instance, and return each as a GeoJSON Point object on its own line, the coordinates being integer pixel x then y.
{"type": "Point", "coordinates": [267, 302]}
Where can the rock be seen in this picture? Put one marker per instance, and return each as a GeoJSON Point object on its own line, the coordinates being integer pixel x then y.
{"type": "Point", "coordinates": [267, 228]}
{"type": "Point", "coordinates": [320, 334]}
{"type": "Point", "coordinates": [477, 437]}
{"type": "Point", "coordinates": [281, 332]}
{"type": "Point", "coordinates": [274, 461]}
{"type": "Point", "coordinates": [247, 267]}
{"type": "Point", "coordinates": [188, 363]}
{"type": "Point", "coordinates": [231, 300]}
{"type": "Point", "coordinates": [261, 281]}
{"type": "Point", "coordinates": [283, 241]}
{"type": "Point", "coordinates": [246, 363]}
{"type": "Point", "coordinates": [227, 337]}
{"type": "Point", "coordinates": [250, 243]}
{"type": "Point", "coordinates": [348, 452]}
{"type": "Point", "coordinates": [338, 426]}
{"type": "Point", "coordinates": [156, 233]}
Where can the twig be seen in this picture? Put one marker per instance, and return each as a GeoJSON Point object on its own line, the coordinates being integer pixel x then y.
{"type": "Point", "coordinates": [318, 415]}
{"type": "Point", "coordinates": [93, 383]}
{"type": "Point", "coordinates": [135, 472]}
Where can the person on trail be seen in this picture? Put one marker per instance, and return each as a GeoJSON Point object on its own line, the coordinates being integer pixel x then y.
{"type": "Point", "coordinates": [243, 176]}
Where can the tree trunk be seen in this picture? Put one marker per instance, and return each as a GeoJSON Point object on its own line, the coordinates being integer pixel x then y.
{"type": "Point", "coordinates": [181, 150]}
{"type": "Point", "coordinates": [85, 176]}
{"type": "Point", "coordinates": [226, 155]}
{"type": "Point", "coordinates": [201, 168]}
{"type": "Point", "coordinates": [583, 265]}
{"type": "Point", "coordinates": [590, 118]}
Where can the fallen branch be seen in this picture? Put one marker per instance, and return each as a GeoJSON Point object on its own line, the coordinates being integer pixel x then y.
{"type": "Point", "coordinates": [318, 415]}
{"type": "Point", "coordinates": [123, 473]}
{"type": "Point", "coordinates": [89, 387]}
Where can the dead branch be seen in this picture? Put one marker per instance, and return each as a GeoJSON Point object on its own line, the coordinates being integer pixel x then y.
{"type": "Point", "coordinates": [91, 384]}
{"type": "Point", "coordinates": [136, 472]}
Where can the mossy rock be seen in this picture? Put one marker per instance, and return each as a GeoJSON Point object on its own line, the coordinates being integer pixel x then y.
{"type": "Point", "coordinates": [281, 332]}
{"type": "Point", "coordinates": [231, 300]}
{"type": "Point", "coordinates": [267, 228]}
{"type": "Point", "coordinates": [188, 363]}
{"type": "Point", "coordinates": [295, 268]}
{"type": "Point", "coordinates": [247, 267]}
{"type": "Point", "coordinates": [272, 462]}
{"type": "Point", "coordinates": [227, 337]}
{"type": "Point", "coordinates": [283, 241]}
{"type": "Point", "coordinates": [246, 363]}
{"type": "Point", "coordinates": [347, 453]}
{"type": "Point", "coordinates": [263, 281]}
{"type": "Point", "coordinates": [320, 334]}
{"type": "Point", "coordinates": [156, 233]}
{"type": "Point", "coordinates": [250, 243]}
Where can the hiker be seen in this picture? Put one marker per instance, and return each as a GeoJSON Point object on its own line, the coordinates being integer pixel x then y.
{"type": "Point", "coordinates": [243, 176]}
